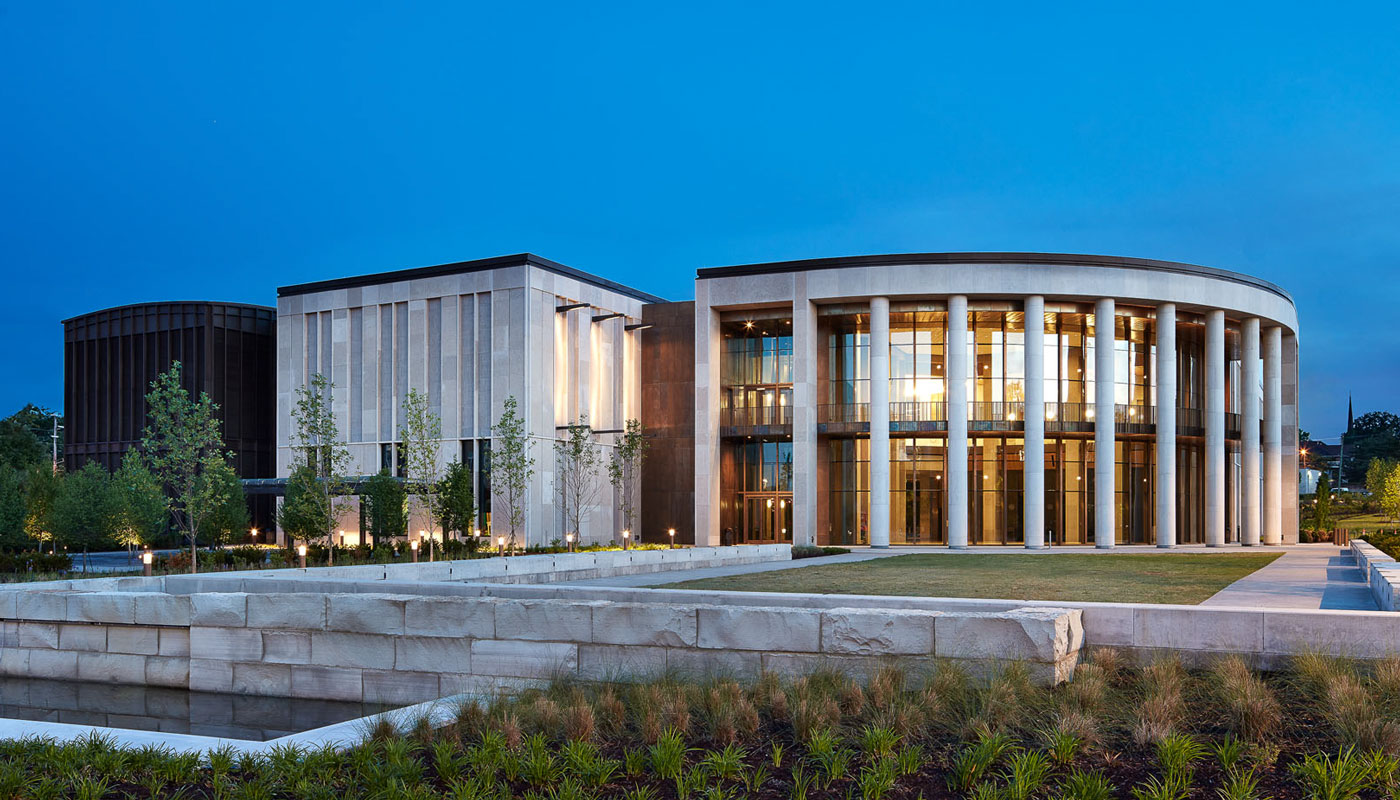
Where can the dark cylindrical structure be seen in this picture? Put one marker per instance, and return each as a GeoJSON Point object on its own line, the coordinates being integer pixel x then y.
{"type": "Point", "coordinates": [226, 349]}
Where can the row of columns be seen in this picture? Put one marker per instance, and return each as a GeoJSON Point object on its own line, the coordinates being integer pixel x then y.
{"type": "Point", "coordinates": [1262, 511]}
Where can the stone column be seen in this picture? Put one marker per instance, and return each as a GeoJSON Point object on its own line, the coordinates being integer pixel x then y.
{"type": "Point", "coordinates": [879, 422]}
{"type": "Point", "coordinates": [1034, 499]}
{"type": "Point", "coordinates": [1249, 433]}
{"type": "Point", "coordinates": [1105, 529]}
{"type": "Point", "coordinates": [957, 421]}
{"type": "Point", "coordinates": [1215, 428]}
{"type": "Point", "coordinates": [1273, 435]}
{"type": "Point", "coordinates": [804, 421]}
{"type": "Point", "coordinates": [707, 442]}
{"type": "Point", "coordinates": [1166, 425]}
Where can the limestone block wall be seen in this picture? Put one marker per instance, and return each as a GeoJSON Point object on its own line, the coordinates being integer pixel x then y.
{"type": "Point", "coordinates": [1268, 637]}
{"type": "Point", "coordinates": [393, 648]}
{"type": "Point", "coordinates": [1381, 571]}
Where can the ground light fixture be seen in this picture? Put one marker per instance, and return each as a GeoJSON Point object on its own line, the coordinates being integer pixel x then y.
{"type": "Point", "coordinates": [254, 533]}
{"type": "Point", "coordinates": [569, 541]}
{"type": "Point", "coordinates": [671, 532]}
{"type": "Point", "coordinates": [500, 545]}
{"type": "Point", "coordinates": [626, 537]}
{"type": "Point", "coordinates": [301, 554]}
{"type": "Point", "coordinates": [414, 547]}
{"type": "Point", "coordinates": [147, 559]}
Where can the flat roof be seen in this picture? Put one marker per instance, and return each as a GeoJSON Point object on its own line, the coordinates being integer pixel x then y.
{"type": "Point", "coordinates": [460, 267]}
{"type": "Point", "coordinates": [1048, 259]}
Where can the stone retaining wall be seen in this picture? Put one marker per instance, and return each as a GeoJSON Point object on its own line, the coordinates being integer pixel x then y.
{"type": "Point", "coordinates": [394, 648]}
{"type": "Point", "coordinates": [1268, 637]}
{"type": "Point", "coordinates": [1381, 571]}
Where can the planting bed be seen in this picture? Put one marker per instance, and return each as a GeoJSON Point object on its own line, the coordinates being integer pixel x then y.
{"type": "Point", "coordinates": [1157, 732]}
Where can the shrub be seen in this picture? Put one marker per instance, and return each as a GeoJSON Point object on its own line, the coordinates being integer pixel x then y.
{"type": "Point", "coordinates": [811, 551]}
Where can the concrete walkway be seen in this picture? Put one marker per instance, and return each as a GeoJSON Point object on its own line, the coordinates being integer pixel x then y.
{"type": "Point", "coordinates": [1307, 576]}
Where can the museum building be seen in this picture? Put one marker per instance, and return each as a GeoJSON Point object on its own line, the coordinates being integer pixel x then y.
{"type": "Point", "coordinates": [947, 399]}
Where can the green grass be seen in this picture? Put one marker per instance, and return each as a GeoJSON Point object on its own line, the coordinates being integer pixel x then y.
{"type": "Point", "coordinates": [1176, 578]}
{"type": "Point", "coordinates": [1369, 522]}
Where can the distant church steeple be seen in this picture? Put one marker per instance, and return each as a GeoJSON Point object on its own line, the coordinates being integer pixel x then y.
{"type": "Point", "coordinates": [1350, 418]}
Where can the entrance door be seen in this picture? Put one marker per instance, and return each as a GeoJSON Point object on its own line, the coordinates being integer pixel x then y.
{"type": "Point", "coordinates": [768, 518]}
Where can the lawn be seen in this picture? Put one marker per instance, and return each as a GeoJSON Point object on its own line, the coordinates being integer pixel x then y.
{"type": "Point", "coordinates": [1157, 578]}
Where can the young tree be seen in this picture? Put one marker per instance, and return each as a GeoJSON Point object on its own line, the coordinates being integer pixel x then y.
{"type": "Point", "coordinates": [229, 517]}
{"type": "Point", "coordinates": [184, 450]}
{"type": "Point", "coordinates": [625, 466]}
{"type": "Point", "coordinates": [1390, 492]}
{"type": "Point", "coordinates": [456, 501]}
{"type": "Point", "coordinates": [302, 515]}
{"type": "Point", "coordinates": [1376, 474]}
{"type": "Point", "coordinates": [576, 460]}
{"type": "Point", "coordinates": [512, 467]}
{"type": "Point", "coordinates": [386, 506]}
{"type": "Point", "coordinates": [1322, 507]}
{"type": "Point", "coordinates": [421, 433]}
{"type": "Point", "coordinates": [138, 502]}
{"type": "Point", "coordinates": [82, 515]}
{"type": "Point", "coordinates": [12, 536]}
{"type": "Point", "coordinates": [40, 488]}
{"type": "Point", "coordinates": [324, 457]}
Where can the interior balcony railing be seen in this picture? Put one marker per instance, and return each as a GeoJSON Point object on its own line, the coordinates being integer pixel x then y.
{"type": "Point", "coordinates": [1191, 422]}
{"type": "Point", "coordinates": [911, 416]}
{"type": "Point", "coordinates": [996, 416]}
{"type": "Point", "coordinates": [838, 418]}
{"type": "Point", "coordinates": [1069, 417]}
{"type": "Point", "coordinates": [1134, 419]}
{"type": "Point", "coordinates": [755, 420]}
{"type": "Point", "coordinates": [1233, 425]}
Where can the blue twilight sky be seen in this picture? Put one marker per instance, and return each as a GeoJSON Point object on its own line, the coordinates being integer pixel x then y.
{"type": "Point", "coordinates": [208, 150]}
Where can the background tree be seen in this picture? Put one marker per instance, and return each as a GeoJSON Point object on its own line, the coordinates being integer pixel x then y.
{"type": "Point", "coordinates": [576, 459]}
{"type": "Point", "coordinates": [12, 511]}
{"type": "Point", "coordinates": [301, 514]}
{"type": "Point", "coordinates": [512, 467]}
{"type": "Point", "coordinates": [1375, 434]}
{"type": "Point", "coordinates": [386, 506]}
{"type": "Point", "coordinates": [324, 457]}
{"type": "Point", "coordinates": [229, 517]}
{"type": "Point", "coordinates": [421, 433]}
{"type": "Point", "coordinates": [184, 450]}
{"type": "Point", "coordinates": [26, 438]}
{"type": "Point", "coordinates": [83, 512]}
{"type": "Point", "coordinates": [40, 488]}
{"type": "Point", "coordinates": [138, 503]}
{"type": "Point", "coordinates": [456, 501]}
{"type": "Point", "coordinates": [1322, 506]}
{"type": "Point", "coordinates": [625, 466]}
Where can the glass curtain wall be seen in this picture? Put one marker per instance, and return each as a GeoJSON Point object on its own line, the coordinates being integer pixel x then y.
{"type": "Point", "coordinates": [917, 342]}
{"type": "Point", "coordinates": [848, 491]}
{"type": "Point", "coordinates": [917, 497]}
{"type": "Point", "coordinates": [848, 361]}
{"type": "Point", "coordinates": [765, 491]}
{"type": "Point", "coordinates": [756, 371]}
{"type": "Point", "coordinates": [997, 358]}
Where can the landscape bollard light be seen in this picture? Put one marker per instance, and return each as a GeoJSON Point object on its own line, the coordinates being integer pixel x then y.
{"type": "Point", "coordinates": [569, 541]}
{"type": "Point", "coordinates": [301, 554]}
{"type": "Point", "coordinates": [500, 545]}
{"type": "Point", "coordinates": [254, 532]}
{"type": "Point", "coordinates": [626, 536]}
{"type": "Point", "coordinates": [671, 532]}
{"type": "Point", "coordinates": [147, 559]}
{"type": "Point", "coordinates": [414, 547]}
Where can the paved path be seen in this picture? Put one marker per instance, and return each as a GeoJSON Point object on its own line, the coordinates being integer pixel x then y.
{"type": "Point", "coordinates": [1307, 576]}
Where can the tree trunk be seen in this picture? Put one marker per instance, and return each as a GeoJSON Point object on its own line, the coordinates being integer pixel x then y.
{"type": "Point", "coordinates": [194, 555]}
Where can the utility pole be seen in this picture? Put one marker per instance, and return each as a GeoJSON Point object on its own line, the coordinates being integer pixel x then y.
{"type": "Point", "coordinates": [54, 436]}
